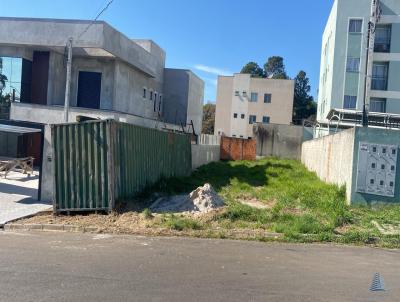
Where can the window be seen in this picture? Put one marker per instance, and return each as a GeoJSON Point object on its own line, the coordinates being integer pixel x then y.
{"type": "Point", "coordinates": [17, 77]}
{"type": "Point", "coordinates": [151, 95]}
{"type": "Point", "coordinates": [377, 105]}
{"type": "Point", "coordinates": [252, 119]}
{"type": "Point", "coordinates": [89, 89]}
{"type": "Point", "coordinates": [242, 116]}
{"type": "Point", "coordinates": [236, 93]}
{"type": "Point", "coordinates": [159, 103]}
{"type": "Point", "coordinates": [353, 64]}
{"type": "Point", "coordinates": [144, 92]}
{"type": "Point", "coordinates": [379, 76]}
{"type": "Point", "coordinates": [355, 26]}
{"type": "Point", "coordinates": [383, 36]}
{"type": "Point", "coordinates": [235, 115]}
{"type": "Point", "coordinates": [265, 119]}
{"type": "Point", "coordinates": [267, 98]}
{"type": "Point", "coordinates": [155, 101]}
{"type": "Point", "coordinates": [244, 93]}
{"type": "Point", "coordinates": [254, 97]}
{"type": "Point", "coordinates": [350, 102]}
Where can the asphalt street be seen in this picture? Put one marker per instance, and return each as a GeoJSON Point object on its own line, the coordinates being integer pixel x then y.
{"type": "Point", "coordinates": [47, 266]}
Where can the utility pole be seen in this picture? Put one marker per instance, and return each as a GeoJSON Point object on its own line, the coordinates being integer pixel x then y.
{"type": "Point", "coordinates": [68, 80]}
{"type": "Point", "coordinates": [374, 19]}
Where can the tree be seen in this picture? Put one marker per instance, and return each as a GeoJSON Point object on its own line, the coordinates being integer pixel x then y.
{"type": "Point", "coordinates": [208, 118]}
{"type": "Point", "coordinates": [254, 69]}
{"type": "Point", "coordinates": [304, 106]}
{"type": "Point", "coordinates": [275, 68]}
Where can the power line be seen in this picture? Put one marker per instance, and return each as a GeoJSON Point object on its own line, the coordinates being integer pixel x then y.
{"type": "Point", "coordinates": [95, 19]}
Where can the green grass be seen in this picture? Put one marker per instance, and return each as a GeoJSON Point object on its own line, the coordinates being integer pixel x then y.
{"type": "Point", "coordinates": [302, 207]}
{"type": "Point", "coordinates": [181, 223]}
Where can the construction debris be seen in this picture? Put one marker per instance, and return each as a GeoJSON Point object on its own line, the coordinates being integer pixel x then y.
{"type": "Point", "coordinates": [202, 200]}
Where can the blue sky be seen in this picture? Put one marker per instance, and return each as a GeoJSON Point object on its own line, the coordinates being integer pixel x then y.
{"type": "Point", "coordinates": [208, 36]}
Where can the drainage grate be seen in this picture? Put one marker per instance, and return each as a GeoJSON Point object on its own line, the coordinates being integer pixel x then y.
{"type": "Point", "coordinates": [377, 283]}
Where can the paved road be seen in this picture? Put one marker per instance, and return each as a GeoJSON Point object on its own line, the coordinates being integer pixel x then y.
{"type": "Point", "coordinates": [84, 267]}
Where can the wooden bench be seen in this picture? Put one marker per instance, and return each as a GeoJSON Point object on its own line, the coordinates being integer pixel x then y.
{"type": "Point", "coordinates": [24, 164]}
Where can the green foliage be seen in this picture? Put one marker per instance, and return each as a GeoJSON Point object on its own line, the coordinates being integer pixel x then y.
{"type": "Point", "coordinates": [300, 206]}
{"type": "Point", "coordinates": [208, 118]}
{"type": "Point", "coordinates": [254, 69]}
{"type": "Point", "coordinates": [304, 106]}
{"type": "Point", "coordinates": [147, 213]}
{"type": "Point", "coordinates": [182, 223]}
{"type": "Point", "coordinates": [275, 68]}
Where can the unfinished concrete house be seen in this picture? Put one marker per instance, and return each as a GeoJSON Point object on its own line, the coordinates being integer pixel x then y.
{"type": "Point", "coordinates": [111, 77]}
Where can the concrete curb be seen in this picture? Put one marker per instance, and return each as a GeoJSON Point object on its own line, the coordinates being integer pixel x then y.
{"type": "Point", "coordinates": [49, 227]}
{"type": "Point", "coordinates": [239, 234]}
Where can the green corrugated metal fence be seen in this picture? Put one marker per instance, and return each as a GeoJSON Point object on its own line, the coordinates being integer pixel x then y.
{"type": "Point", "coordinates": [98, 162]}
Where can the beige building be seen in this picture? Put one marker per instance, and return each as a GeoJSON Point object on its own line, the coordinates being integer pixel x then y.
{"type": "Point", "coordinates": [243, 101]}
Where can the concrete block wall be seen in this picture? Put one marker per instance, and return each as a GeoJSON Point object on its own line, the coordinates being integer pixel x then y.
{"type": "Point", "coordinates": [331, 158]}
{"type": "Point", "coordinates": [204, 154]}
{"type": "Point", "coordinates": [283, 141]}
{"type": "Point", "coordinates": [334, 158]}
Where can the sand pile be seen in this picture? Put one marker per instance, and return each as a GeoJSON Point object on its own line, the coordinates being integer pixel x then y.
{"type": "Point", "coordinates": [202, 200]}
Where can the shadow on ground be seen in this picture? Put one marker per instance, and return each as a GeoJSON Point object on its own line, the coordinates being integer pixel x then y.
{"type": "Point", "coordinates": [219, 175]}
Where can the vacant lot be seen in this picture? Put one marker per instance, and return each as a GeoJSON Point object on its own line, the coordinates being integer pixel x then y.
{"type": "Point", "coordinates": [269, 195]}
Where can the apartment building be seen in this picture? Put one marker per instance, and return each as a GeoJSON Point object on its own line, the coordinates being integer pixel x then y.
{"type": "Point", "coordinates": [112, 76]}
{"type": "Point", "coordinates": [243, 100]}
{"type": "Point", "coordinates": [343, 59]}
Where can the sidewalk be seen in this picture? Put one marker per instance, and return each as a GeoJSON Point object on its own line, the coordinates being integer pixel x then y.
{"type": "Point", "coordinates": [18, 197]}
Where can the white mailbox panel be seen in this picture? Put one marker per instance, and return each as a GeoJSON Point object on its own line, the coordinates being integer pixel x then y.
{"type": "Point", "coordinates": [376, 169]}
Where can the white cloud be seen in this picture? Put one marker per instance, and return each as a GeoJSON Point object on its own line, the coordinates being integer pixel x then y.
{"type": "Point", "coordinates": [212, 70]}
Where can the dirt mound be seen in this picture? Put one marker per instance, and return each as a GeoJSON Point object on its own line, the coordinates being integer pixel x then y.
{"type": "Point", "coordinates": [202, 200]}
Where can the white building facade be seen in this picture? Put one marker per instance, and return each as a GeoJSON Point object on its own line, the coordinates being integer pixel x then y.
{"type": "Point", "coordinates": [243, 101]}
{"type": "Point", "coordinates": [343, 59]}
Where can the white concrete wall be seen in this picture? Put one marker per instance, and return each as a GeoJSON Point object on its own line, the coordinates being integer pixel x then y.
{"type": "Point", "coordinates": [47, 184]}
{"type": "Point", "coordinates": [283, 141]}
{"type": "Point", "coordinates": [331, 158]}
{"type": "Point", "coordinates": [204, 154]}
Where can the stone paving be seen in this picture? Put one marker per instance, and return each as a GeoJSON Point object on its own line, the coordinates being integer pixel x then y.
{"type": "Point", "coordinates": [18, 197]}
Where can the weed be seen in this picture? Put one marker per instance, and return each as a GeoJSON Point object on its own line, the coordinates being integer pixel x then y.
{"type": "Point", "coordinates": [147, 213]}
{"type": "Point", "coordinates": [182, 223]}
